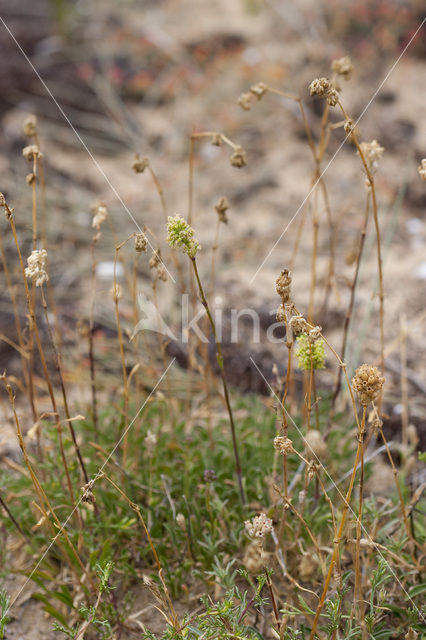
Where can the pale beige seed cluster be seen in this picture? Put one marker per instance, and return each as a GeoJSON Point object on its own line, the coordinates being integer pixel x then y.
{"type": "Point", "coordinates": [422, 169]}
{"type": "Point", "coordinates": [31, 152]}
{"type": "Point", "coordinates": [325, 89]}
{"type": "Point", "coordinates": [100, 214]}
{"type": "Point", "coordinates": [155, 262]}
{"type": "Point", "coordinates": [141, 242]}
{"type": "Point", "coordinates": [283, 285]}
{"type": "Point", "coordinates": [315, 446]}
{"type": "Point", "coordinates": [372, 153]}
{"type": "Point", "coordinates": [283, 445]}
{"type": "Point", "coordinates": [222, 207]}
{"type": "Point", "coordinates": [343, 67]}
{"type": "Point", "coordinates": [35, 270]}
{"type": "Point", "coordinates": [238, 158]}
{"type": "Point", "coordinates": [30, 126]}
{"type": "Point", "coordinates": [150, 442]}
{"type": "Point", "coordinates": [259, 527]}
{"type": "Point", "coordinates": [368, 383]}
{"type": "Point", "coordinates": [140, 164]}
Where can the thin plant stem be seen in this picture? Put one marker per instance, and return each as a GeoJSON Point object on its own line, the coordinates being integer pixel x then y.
{"type": "Point", "coordinates": [219, 358]}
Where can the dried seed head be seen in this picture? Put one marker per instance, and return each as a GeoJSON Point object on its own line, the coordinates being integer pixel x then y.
{"type": "Point", "coordinates": [260, 526]}
{"type": "Point", "coordinates": [30, 126]}
{"type": "Point", "coordinates": [209, 475]}
{"type": "Point", "coordinates": [280, 313]}
{"type": "Point", "coordinates": [319, 87]}
{"type": "Point", "coordinates": [141, 242]}
{"type": "Point", "coordinates": [2, 200]}
{"type": "Point", "coordinates": [155, 259]}
{"type": "Point", "coordinates": [100, 214]}
{"type": "Point", "coordinates": [315, 333]}
{"type": "Point", "coordinates": [332, 97]}
{"type": "Point", "coordinates": [422, 169]}
{"type": "Point", "coordinates": [180, 521]}
{"type": "Point", "coordinates": [140, 164]}
{"type": "Point", "coordinates": [30, 178]}
{"type": "Point", "coordinates": [343, 67]}
{"type": "Point", "coordinates": [283, 284]}
{"type": "Point", "coordinates": [310, 353]}
{"type": "Point", "coordinates": [238, 158]}
{"type": "Point", "coordinates": [283, 445]}
{"type": "Point", "coordinates": [372, 153]}
{"type": "Point", "coordinates": [315, 446]}
{"type": "Point", "coordinates": [368, 383]}
{"type": "Point", "coordinates": [222, 207]}
{"type": "Point", "coordinates": [411, 635]}
{"type": "Point", "coordinates": [36, 267]}
{"type": "Point", "coordinates": [87, 493]}
{"type": "Point", "coordinates": [298, 324]}
{"type": "Point", "coordinates": [376, 424]}
{"type": "Point", "coordinates": [216, 140]}
{"type": "Point", "coordinates": [259, 89]}
{"type": "Point", "coordinates": [245, 101]}
{"type": "Point", "coordinates": [31, 152]}
{"type": "Point", "coordinates": [180, 235]}
{"type": "Point", "coordinates": [161, 273]}
{"type": "Point", "coordinates": [150, 442]}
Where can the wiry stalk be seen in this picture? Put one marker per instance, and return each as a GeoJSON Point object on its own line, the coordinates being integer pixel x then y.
{"type": "Point", "coordinates": [219, 358]}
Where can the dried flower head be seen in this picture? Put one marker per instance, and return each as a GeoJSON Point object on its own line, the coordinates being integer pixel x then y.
{"type": "Point", "coordinates": [31, 152]}
{"type": "Point", "coordinates": [315, 446]}
{"type": "Point", "coordinates": [36, 267]}
{"type": "Point", "coordinates": [298, 324]}
{"type": "Point", "coordinates": [368, 383]}
{"type": "Point", "coordinates": [283, 445]}
{"type": "Point", "coordinates": [155, 259]}
{"type": "Point", "coordinates": [161, 272]}
{"type": "Point", "coordinates": [319, 87]}
{"type": "Point", "coordinates": [222, 207]}
{"type": "Point", "coordinates": [181, 236]}
{"type": "Point", "coordinates": [283, 284]}
{"type": "Point", "coordinates": [332, 97]}
{"type": "Point", "coordinates": [280, 313]}
{"type": "Point", "coordinates": [411, 635]}
{"type": "Point", "coordinates": [238, 158]}
{"type": "Point", "coordinates": [310, 353]}
{"type": "Point", "coordinates": [2, 200]}
{"type": "Point", "coordinates": [260, 526]}
{"type": "Point", "coordinates": [343, 67]}
{"type": "Point", "coordinates": [150, 442]}
{"type": "Point", "coordinates": [140, 164]}
{"type": "Point", "coordinates": [216, 140]}
{"type": "Point", "coordinates": [209, 475]}
{"type": "Point", "coordinates": [422, 169]}
{"type": "Point", "coordinates": [141, 242]}
{"type": "Point", "coordinates": [100, 214]}
{"type": "Point", "coordinates": [372, 153]}
{"type": "Point", "coordinates": [245, 101]}
{"type": "Point", "coordinates": [30, 178]}
{"type": "Point", "coordinates": [180, 521]}
{"type": "Point", "coordinates": [87, 494]}
{"type": "Point", "coordinates": [259, 89]}
{"type": "Point", "coordinates": [30, 126]}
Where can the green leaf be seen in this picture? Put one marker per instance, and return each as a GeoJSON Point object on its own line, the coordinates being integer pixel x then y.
{"type": "Point", "coordinates": [417, 590]}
